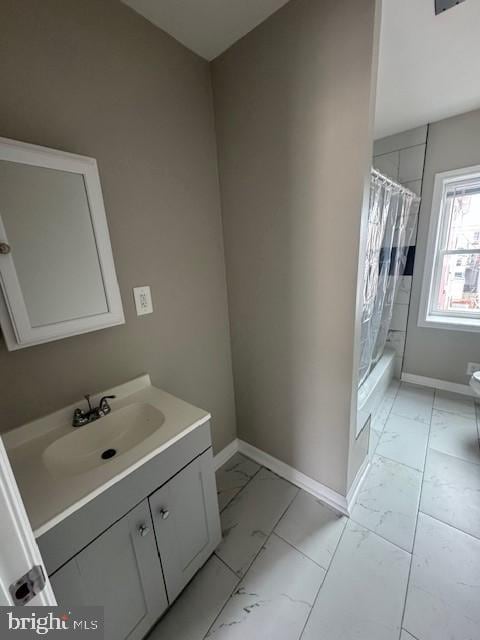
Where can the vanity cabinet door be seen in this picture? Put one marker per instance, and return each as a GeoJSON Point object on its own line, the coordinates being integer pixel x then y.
{"type": "Point", "coordinates": [121, 571]}
{"type": "Point", "coordinates": [187, 523]}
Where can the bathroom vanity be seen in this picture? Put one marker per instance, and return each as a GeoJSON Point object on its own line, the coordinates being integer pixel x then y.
{"type": "Point", "coordinates": [130, 531]}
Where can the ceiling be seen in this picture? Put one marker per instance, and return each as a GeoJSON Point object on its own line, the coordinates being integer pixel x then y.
{"type": "Point", "coordinates": [429, 65]}
{"type": "Point", "coordinates": [428, 68]}
{"type": "Point", "coordinates": [207, 27]}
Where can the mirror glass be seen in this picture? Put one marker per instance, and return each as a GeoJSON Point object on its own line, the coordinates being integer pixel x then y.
{"type": "Point", "coordinates": [49, 227]}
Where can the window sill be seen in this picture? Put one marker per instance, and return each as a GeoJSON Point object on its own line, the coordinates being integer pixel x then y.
{"type": "Point", "coordinates": [451, 324]}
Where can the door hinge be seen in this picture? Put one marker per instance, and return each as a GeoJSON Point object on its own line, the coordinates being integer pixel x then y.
{"type": "Point", "coordinates": [28, 586]}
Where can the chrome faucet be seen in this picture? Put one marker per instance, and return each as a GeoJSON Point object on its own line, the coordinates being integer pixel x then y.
{"type": "Point", "coordinates": [81, 417]}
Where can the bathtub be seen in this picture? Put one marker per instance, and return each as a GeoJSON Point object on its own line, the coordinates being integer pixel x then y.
{"type": "Point", "coordinates": [372, 391]}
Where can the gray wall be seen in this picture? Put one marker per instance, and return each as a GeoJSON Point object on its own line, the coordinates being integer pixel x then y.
{"type": "Point", "coordinates": [95, 78]}
{"type": "Point", "coordinates": [293, 108]}
{"type": "Point", "coordinates": [437, 353]}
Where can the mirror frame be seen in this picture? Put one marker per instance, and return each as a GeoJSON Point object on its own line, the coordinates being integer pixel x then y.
{"type": "Point", "coordinates": [14, 320]}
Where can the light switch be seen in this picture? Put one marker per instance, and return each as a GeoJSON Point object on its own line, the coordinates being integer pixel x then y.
{"type": "Point", "coordinates": [143, 300]}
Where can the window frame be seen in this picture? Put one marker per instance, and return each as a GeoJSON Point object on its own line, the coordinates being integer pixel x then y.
{"type": "Point", "coordinates": [428, 317]}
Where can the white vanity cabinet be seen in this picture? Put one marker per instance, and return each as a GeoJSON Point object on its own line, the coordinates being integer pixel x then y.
{"type": "Point", "coordinates": [135, 546]}
{"type": "Point", "coordinates": [185, 512]}
{"type": "Point", "coordinates": [120, 571]}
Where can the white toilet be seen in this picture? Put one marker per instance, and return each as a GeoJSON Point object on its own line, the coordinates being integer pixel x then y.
{"type": "Point", "coordinates": [475, 382]}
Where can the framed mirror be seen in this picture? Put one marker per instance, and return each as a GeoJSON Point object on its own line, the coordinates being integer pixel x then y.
{"type": "Point", "coordinates": [57, 273]}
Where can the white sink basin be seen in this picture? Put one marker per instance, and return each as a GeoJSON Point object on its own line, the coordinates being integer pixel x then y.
{"type": "Point", "coordinates": [110, 437]}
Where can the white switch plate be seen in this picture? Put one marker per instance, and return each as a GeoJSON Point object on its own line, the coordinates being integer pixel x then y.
{"type": "Point", "coordinates": [143, 300]}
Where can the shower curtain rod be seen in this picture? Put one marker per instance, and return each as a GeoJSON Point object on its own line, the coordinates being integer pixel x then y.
{"type": "Point", "coordinates": [398, 186]}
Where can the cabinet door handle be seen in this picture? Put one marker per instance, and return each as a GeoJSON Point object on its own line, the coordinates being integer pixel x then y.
{"type": "Point", "coordinates": [164, 513]}
{"type": "Point", "coordinates": [4, 248]}
{"type": "Point", "coordinates": [143, 530]}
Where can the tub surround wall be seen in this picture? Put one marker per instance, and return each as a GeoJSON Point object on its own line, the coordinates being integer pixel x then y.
{"type": "Point", "coordinates": [402, 157]}
{"type": "Point", "coordinates": [285, 125]}
{"type": "Point", "coordinates": [97, 79]}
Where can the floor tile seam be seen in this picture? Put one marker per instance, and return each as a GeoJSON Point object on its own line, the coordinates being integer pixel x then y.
{"type": "Point", "coordinates": [404, 417]}
{"type": "Point", "coordinates": [414, 396]}
{"type": "Point", "coordinates": [324, 580]}
{"type": "Point", "coordinates": [241, 489]}
{"type": "Point", "coordinates": [403, 464]}
{"type": "Point", "coordinates": [452, 526]}
{"type": "Point", "coordinates": [227, 599]}
{"type": "Point", "coordinates": [227, 566]}
{"type": "Point", "coordinates": [361, 524]}
{"type": "Point", "coordinates": [385, 423]}
{"type": "Point", "coordinates": [302, 553]}
{"type": "Point", "coordinates": [399, 415]}
{"type": "Point", "coordinates": [418, 512]}
{"type": "Point", "coordinates": [451, 455]}
{"type": "Point", "coordinates": [456, 413]}
{"type": "Point", "coordinates": [410, 634]}
{"type": "Point", "coordinates": [243, 576]}
{"type": "Point", "coordinates": [416, 387]}
{"type": "Point", "coordinates": [395, 396]}
{"type": "Point", "coordinates": [457, 457]}
{"type": "Point", "coordinates": [240, 579]}
{"type": "Point", "coordinates": [274, 525]}
{"type": "Point", "coordinates": [393, 402]}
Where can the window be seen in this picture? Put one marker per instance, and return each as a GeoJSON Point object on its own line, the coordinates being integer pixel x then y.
{"type": "Point", "coordinates": [451, 285]}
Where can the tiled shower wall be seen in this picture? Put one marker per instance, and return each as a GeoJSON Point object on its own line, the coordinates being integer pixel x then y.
{"type": "Point", "coordinates": [402, 157]}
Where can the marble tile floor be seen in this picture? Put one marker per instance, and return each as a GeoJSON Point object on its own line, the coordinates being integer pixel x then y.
{"type": "Point", "coordinates": [404, 566]}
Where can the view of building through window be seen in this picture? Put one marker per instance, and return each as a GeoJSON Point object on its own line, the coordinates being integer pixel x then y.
{"type": "Point", "coordinates": [458, 267]}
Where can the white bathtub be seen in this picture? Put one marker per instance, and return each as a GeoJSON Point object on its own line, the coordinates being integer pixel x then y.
{"type": "Point", "coordinates": [373, 389]}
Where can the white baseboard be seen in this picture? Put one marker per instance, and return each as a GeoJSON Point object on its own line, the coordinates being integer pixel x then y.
{"type": "Point", "coordinates": [225, 454]}
{"type": "Point", "coordinates": [317, 489]}
{"type": "Point", "coordinates": [335, 500]}
{"type": "Point", "coordinates": [435, 383]}
{"type": "Point", "coordinates": [357, 483]}
{"type": "Point", "coordinates": [322, 492]}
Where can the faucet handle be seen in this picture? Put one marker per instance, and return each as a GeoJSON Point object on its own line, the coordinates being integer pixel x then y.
{"type": "Point", "coordinates": [79, 417]}
{"type": "Point", "coordinates": [103, 404]}
{"type": "Point", "coordinates": [87, 398]}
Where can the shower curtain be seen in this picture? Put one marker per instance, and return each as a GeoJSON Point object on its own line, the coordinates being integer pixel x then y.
{"type": "Point", "coordinates": [389, 238]}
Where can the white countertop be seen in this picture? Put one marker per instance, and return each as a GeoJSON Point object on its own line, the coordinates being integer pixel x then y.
{"type": "Point", "coordinates": [49, 499]}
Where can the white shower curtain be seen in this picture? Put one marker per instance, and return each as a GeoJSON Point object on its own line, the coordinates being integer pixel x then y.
{"type": "Point", "coordinates": [386, 257]}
